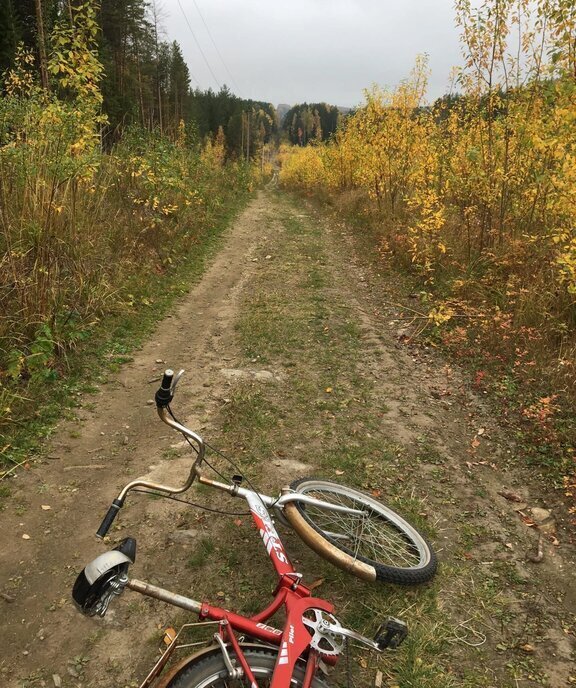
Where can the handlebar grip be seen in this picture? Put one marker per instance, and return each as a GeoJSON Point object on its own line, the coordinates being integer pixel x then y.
{"type": "Point", "coordinates": [164, 395]}
{"type": "Point", "coordinates": [109, 518]}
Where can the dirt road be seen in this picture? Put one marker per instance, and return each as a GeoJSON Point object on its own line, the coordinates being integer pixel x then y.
{"type": "Point", "coordinates": [293, 356]}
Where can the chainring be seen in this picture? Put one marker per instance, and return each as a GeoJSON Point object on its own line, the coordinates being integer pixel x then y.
{"type": "Point", "coordinates": [326, 641]}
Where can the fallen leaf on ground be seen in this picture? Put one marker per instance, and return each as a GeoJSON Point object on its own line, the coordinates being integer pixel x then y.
{"type": "Point", "coordinates": [339, 472]}
{"type": "Point", "coordinates": [316, 584]}
{"type": "Point", "coordinates": [169, 635]}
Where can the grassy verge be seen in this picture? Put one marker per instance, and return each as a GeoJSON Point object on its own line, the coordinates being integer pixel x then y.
{"type": "Point", "coordinates": [507, 363]}
{"type": "Point", "coordinates": [36, 406]}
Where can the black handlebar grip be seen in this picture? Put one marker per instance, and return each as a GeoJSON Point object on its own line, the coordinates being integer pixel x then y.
{"type": "Point", "coordinates": [109, 518]}
{"type": "Point", "coordinates": [164, 395]}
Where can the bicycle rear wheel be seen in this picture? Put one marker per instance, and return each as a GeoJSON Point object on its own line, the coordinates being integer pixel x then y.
{"type": "Point", "coordinates": [379, 545]}
{"type": "Point", "coordinates": [211, 672]}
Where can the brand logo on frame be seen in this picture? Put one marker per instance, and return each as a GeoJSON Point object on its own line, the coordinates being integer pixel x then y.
{"type": "Point", "coordinates": [272, 543]}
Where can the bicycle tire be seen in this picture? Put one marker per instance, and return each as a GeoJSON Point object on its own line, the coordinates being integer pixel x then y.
{"type": "Point", "coordinates": [380, 547]}
{"type": "Point", "coordinates": [211, 672]}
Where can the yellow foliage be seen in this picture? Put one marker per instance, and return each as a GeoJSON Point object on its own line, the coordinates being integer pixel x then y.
{"type": "Point", "coordinates": [301, 168]}
{"type": "Point", "coordinates": [487, 177]}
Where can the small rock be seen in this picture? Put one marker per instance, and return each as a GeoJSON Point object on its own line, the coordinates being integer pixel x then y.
{"type": "Point", "coordinates": [263, 375]}
{"type": "Point", "coordinates": [72, 671]}
{"type": "Point", "coordinates": [25, 653]}
{"type": "Point", "coordinates": [125, 440]}
{"type": "Point", "coordinates": [268, 257]}
{"type": "Point", "coordinates": [150, 402]}
{"type": "Point", "coordinates": [159, 360]}
{"type": "Point", "coordinates": [57, 681]}
{"type": "Point", "coordinates": [540, 515]}
{"type": "Point", "coordinates": [543, 519]}
{"type": "Point", "coordinates": [184, 537]}
{"type": "Point", "coordinates": [25, 536]}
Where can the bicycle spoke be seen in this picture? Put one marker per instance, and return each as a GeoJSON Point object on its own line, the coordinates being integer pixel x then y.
{"type": "Point", "coordinates": [370, 536]}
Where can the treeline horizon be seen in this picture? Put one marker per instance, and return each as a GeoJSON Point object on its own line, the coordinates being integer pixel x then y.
{"type": "Point", "coordinates": [145, 80]}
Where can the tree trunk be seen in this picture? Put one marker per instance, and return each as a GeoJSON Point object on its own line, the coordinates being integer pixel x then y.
{"type": "Point", "coordinates": [42, 46]}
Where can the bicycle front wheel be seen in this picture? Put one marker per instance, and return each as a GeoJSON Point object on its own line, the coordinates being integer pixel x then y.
{"type": "Point", "coordinates": [377, 545]}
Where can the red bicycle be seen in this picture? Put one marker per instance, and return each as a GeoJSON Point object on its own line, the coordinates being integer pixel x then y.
{"type": "Point", "coordinates": [349, 528]}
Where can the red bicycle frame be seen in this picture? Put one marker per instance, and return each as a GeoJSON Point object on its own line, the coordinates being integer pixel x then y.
{"type": "Point", "coordinates": [294, 641]}
{"type": "Point", "coordinates": [296, 598]}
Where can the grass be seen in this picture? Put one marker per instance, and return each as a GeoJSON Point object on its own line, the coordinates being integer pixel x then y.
{"type": "Point", "coordinates": [202, 551]}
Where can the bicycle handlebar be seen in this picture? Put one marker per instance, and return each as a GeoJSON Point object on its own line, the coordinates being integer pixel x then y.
{"type": "Point", "coordinates": [163, 397]}
{"type": "Point", "coordinates": [108, 520]}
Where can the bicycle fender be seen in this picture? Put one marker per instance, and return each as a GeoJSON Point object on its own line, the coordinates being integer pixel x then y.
{"type": "Point", "coordinates": [174, 671]}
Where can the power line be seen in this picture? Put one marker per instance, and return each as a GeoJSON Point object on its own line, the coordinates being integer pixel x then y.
{"type": "Point", "coordinates": [198, 44]}
{"type": "Point", "coordinates": [155, 15]}
{"type": "Point", "coordinates": [216, 47]}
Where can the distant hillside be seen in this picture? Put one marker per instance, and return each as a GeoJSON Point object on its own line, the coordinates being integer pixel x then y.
{"type": "Point", "coordinates": [281, 111]}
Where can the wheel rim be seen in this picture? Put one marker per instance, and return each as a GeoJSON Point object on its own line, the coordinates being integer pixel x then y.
{"type": "Point", "coordinates": [380, 536]}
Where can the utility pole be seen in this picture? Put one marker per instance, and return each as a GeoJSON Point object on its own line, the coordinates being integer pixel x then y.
{"type": "Point", "coordinates": [248, 139]}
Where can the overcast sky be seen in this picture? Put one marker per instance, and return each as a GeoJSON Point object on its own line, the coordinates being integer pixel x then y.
{"type": "Point", "coordinates": [312, 50]}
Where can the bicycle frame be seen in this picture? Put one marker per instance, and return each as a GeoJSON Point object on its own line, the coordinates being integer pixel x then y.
{"type": "Point", "coordinates": [294, 641]}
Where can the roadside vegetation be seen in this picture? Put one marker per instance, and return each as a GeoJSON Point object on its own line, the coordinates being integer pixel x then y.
{"type": "Point", "coordinates": [474, 197]}
{"type": "Point", "coordinates": [93, 240]}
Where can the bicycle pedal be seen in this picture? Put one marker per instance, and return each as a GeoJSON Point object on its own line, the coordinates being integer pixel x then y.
{"type": "Point", "coordinates": [391, 634]}
{"type": "Point", "coordinates": [237, 479]}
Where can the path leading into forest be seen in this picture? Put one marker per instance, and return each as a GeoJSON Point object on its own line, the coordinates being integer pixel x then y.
{"type": "Point", "coordinates": [290, 350]}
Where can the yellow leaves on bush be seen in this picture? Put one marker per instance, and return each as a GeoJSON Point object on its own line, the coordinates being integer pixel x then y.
{"type": "Point", "coordinates": [482, 181]}
{"type": "Point", "coordinates": [302, 167]}
{"type": "Point", "coordinates": [441, 314]}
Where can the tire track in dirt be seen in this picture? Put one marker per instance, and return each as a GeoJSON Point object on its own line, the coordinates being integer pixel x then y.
{"type": "Point", "coordinates": [429, 403]}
